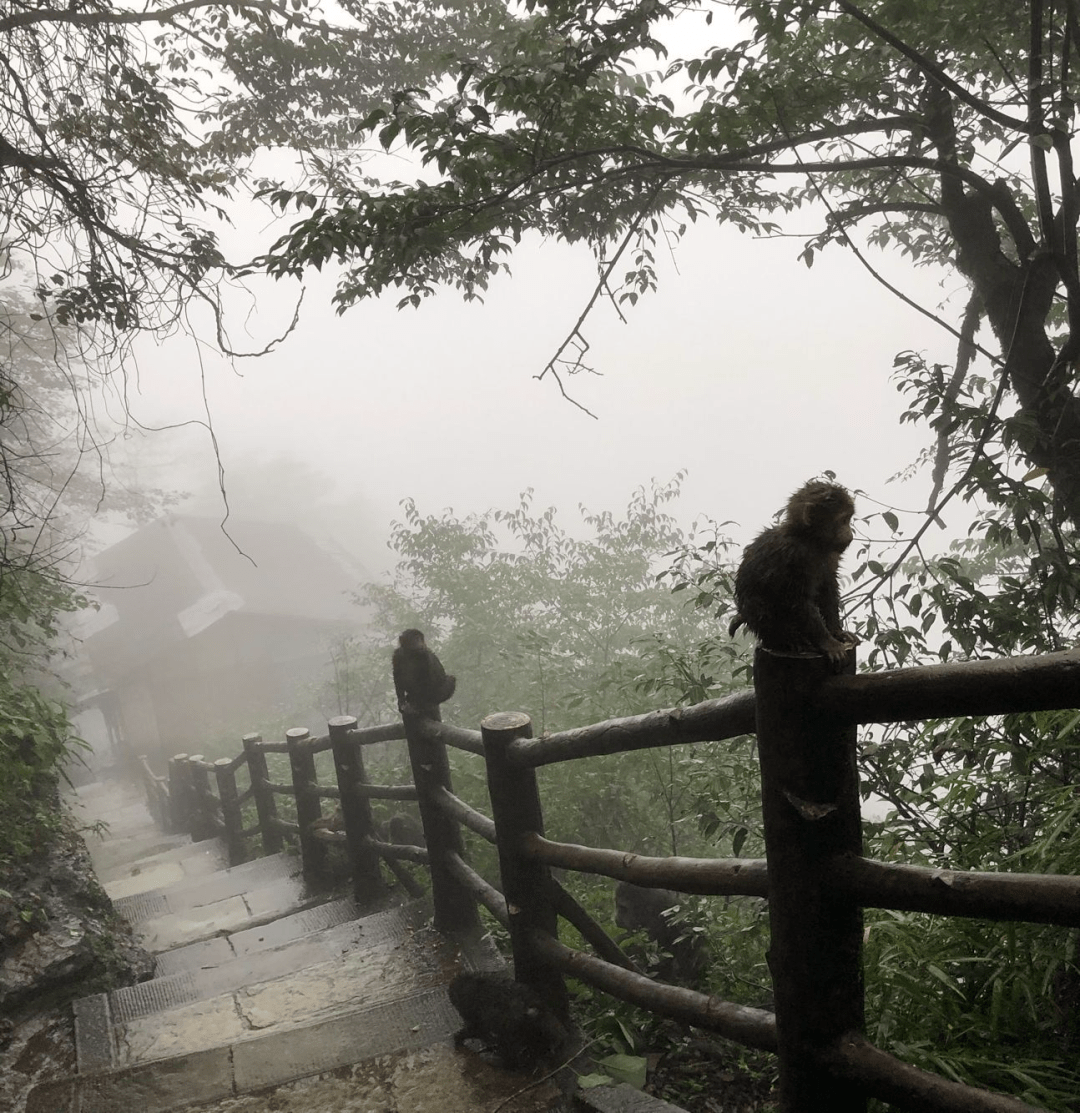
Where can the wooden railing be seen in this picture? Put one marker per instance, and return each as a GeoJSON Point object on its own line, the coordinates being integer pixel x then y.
{"type": "Point", "coordinates": [814, 874]}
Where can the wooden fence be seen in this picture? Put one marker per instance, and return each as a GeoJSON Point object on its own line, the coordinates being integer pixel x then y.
{"type": "Point", "coordinates": [814, 874]}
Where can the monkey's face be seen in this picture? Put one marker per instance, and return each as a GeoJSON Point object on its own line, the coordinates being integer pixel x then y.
{"type": "Point", "coordinates": [411, 640]}
{"type": "Point", "coordinates": [842, 535]}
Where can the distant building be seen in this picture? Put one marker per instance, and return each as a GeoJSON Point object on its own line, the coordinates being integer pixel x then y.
{"type": "Point", "coordinates": [193, 637]}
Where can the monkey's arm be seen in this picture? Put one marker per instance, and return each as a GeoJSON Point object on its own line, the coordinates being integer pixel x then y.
{"type": "Point", "coordinates": [400, 680]}
{"type": "Point", "coordinates": [829, 606]}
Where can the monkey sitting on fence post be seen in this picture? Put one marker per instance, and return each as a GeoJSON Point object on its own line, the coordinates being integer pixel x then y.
{"type": "Point", "coordinates": [420, 680]}
{"type": "Point", "coordinates": [786, 588]}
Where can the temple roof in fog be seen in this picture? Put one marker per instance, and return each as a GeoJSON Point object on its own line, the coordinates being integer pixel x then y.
{"type": "Point", "coordinates": [179, 575]}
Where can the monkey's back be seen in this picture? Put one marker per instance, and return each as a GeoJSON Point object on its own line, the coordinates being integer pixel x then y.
{"type": "Point", "coordinates": [781, 590]}
{"type": "Point", "coordinates": [507, 1016]}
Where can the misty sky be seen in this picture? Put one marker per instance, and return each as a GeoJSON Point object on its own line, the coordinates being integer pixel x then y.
{"type": "Point", "coordinates": [746, 369]}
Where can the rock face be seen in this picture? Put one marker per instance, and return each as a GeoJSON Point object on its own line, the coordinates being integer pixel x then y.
{"type": "Point", "coordinates": [59, 936]}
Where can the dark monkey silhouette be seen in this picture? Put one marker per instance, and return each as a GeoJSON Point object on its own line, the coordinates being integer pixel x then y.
{"type": "Point", "coordinates": [786, 588]}
{"type": "Point", "coordinates": [419, 678]}
{"type": "Point", "coordinates": [685, 957]}
{"type": "Point", "coordinates": [508, 1017]}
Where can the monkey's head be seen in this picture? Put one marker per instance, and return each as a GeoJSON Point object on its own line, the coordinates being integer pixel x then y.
{"type": "Point", "coordinates": [823, 512]}
{"type": "Point", "coordinates": [411, 639]}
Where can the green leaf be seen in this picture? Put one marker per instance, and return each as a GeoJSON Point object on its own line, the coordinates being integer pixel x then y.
{"type": "Point", "coordinates": [631, 1069]}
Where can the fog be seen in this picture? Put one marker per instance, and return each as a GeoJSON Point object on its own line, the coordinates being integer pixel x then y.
{"type": "Point", "coordinates": [745, 368]}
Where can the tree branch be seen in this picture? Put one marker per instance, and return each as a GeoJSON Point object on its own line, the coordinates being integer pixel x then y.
{"type": "Point", "coordinates": [934, 71]}
{"type": "Point", "coordinates": [94, 19]}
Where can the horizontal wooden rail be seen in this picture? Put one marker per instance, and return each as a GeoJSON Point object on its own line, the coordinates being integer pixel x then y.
{"type": "Point", "coordinates": [1011, 684]}
{"type": "Point", "coordinates": [729, 876]}
{"type": "Point", "coordinates": [469, 817]}
{"type": "Point", "coordinates": [458, 737]}
{"type": "Point", "coordinates": [589, 930]}
{"type": "Point", "coordinates": [711, 721]}
{"type": "Point", "coordinates": [386, 792]}
{"type": "Point", "coordinates": [1024, 897]}
{"type": "Point", "coordinates": [402, 852]}
{"type": "Point", "coordinates": [750, 1027]}
{"type": "Point", "coordinates": [274, 747]}
{"type": "Point", "coordinates": [368, 736]}
{"type": "Point", "coordinates": [485, 893]}
{"type": "Point", "coordinates": [881, 1075]}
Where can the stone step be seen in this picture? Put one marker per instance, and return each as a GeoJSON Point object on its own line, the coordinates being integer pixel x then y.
{"type": "Point", "coordinates": [288, 981]}
{"type": "Point", "coordinates": [162, 867]}
{"type": "Point", "coordinates": [228, 901]}
{"type": "Point", "coordinates": [196, 892]}
{"type": "Point", "coordinates": [259, 1059]}
{"type": "Point", "coordinates": [230, 945]}
{"type": "Point", "coordinates": [251, 957]}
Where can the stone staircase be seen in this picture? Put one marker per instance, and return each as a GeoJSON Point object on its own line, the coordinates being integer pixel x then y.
{"type": "Point", "coordinates": [266, 996]}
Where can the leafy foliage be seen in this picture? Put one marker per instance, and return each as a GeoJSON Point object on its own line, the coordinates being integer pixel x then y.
{"type": "Point", "coordinates": [35, 736]}
{"type": "Point", "coordinates": [895, 122]}
{"type": "Point", "coordinates": [131, 131]}
{"type": "Point", "coordinates": [528, 614]}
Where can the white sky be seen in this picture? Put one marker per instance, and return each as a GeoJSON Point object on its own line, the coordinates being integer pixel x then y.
{"type": "Point", "coordinates": [746, 368]}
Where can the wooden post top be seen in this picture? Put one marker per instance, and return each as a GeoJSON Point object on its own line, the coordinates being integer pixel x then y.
{"type": "Point", "coordinates": [507, 725]}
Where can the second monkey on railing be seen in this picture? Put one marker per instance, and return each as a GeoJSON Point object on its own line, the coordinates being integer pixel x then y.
{"type": "Point", "coordinates": [419, 677]}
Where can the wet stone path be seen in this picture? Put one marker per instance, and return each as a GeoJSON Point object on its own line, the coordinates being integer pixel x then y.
{"type": "Point", "coordinates": [267, 997]}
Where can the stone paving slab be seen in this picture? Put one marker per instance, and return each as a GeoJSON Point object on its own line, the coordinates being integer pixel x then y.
{"type": "Point", "coordinates": [167, 991]}
{"type": "Point", "coordinates": [161, 869]}
{"type": "Point", "coordinates": [169, 930]}
{"type": "Point", "coordinates": [199, 891]}
{"type": "Point", "coordinates": [398, 1025]}
{"type": "Point", "coordinates": [263, 1060]}
{"type": "Point", "coordinates": [621, 1098]}
{"type": "Point", "coordinates": [367, 975]}
{"type": "Point", "coordinates": [287, 928]}
{"type": "Point", "coordinates": [113, 858]}
{"type": "Point", "coordinates": [195, 956]}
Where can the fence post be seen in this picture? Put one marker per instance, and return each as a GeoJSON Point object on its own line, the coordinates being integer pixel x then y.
{"type": "Point", "coordinates": [179, 796]}
{"type": "Point", "coordinates": [526, 883]}
{"type": "Point", "coordinates": [225, 774]}
{"type": "Point", "coordinates": [368, 885]}
{"type": "Point", "coordinates": [455, 908]}
{"type": "Point", "coordinates": [153, 791]}
{"type": "Point", "coordinates": [202, 821]}
{"type": "Point", "coordinates": [265, 805]}
{"type": "Point", "coordinates": [308, 806]}
{"type": "Point", "coordinates": [811, 810]}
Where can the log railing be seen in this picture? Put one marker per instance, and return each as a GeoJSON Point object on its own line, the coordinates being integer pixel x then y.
{"type": "Point", "coordinates": [814, 874]}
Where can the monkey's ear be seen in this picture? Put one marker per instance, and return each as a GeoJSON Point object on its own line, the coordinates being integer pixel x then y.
{"type": "Point", "coordinates": [799, 513]}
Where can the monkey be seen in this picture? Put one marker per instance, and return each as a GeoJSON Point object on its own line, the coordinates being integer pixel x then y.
{"type": "Point", "coordinates": [508, 1017]}
{"type": "Point", "coordinates": [786, 589]}
{"type": "Point", "coordinates": [638, 908]}
{"type": "Point", "coordinates": [419, 678]}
